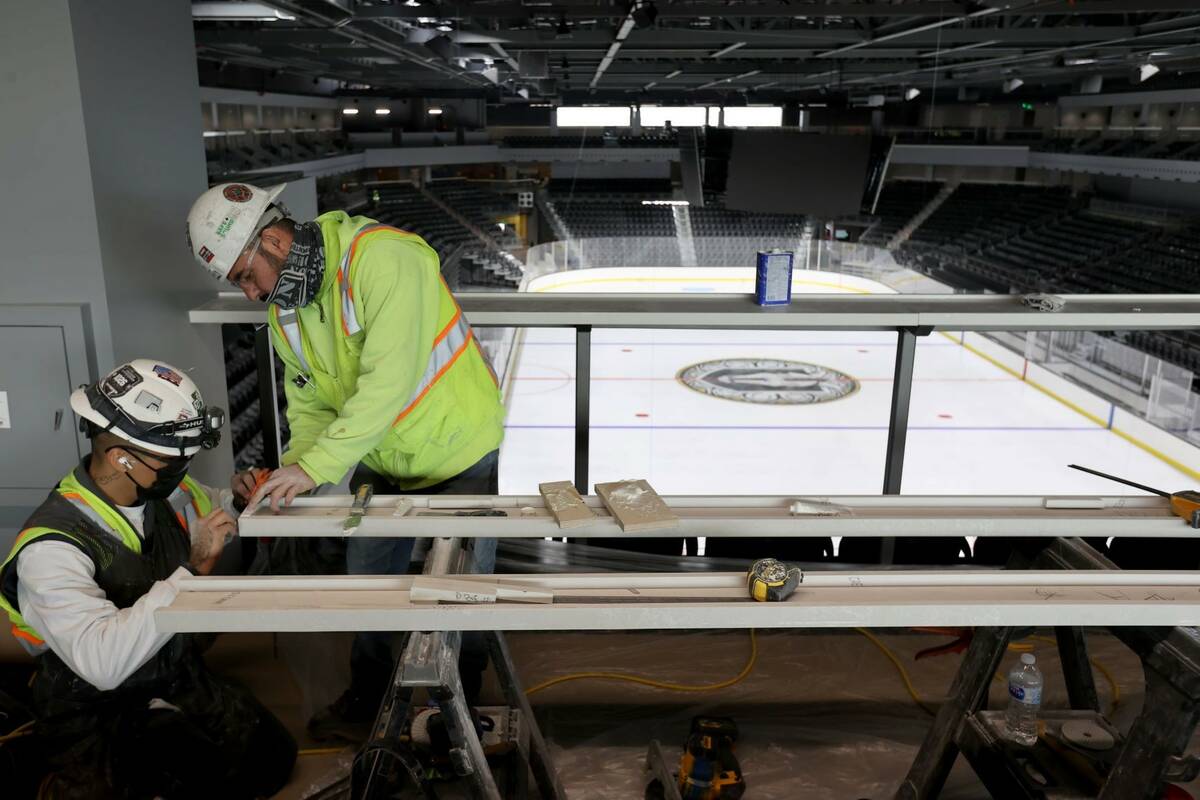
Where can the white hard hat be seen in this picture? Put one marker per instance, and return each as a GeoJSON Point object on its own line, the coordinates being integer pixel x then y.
{"type": "Point", "coordinates": [152, 405]}
{"type": "Point", "coordinates": [224, 219]}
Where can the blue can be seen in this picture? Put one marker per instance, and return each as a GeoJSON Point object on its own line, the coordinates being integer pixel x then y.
{"type": "Point", "coordinates": [773, 281]}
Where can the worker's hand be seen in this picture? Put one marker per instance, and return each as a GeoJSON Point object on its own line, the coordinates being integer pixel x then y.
{"type": "Point", "coordinates": [243, 483]}
{"type": "Point", "coordinates": [283, 486]}
{"type": "Point", "coordinates": [208, 535]}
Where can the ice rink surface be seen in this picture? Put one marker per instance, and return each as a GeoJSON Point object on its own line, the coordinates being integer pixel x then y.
{"type": "Point", "coordinates": [973, 427]}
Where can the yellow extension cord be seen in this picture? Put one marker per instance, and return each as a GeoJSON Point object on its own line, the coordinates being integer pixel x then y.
{"type": "Point", "coordinates": [749, 667]}
{"type": "Point", "coordinates": [675, 687]}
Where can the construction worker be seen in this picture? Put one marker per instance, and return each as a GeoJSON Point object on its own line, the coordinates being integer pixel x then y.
{"type": "Point", "coordinates": [124, 709]}
{"type": "Point", "coordinates": [382, 374]}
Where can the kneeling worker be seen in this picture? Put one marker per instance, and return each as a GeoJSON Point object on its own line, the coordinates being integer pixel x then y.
{"type": "Point", "coordinates": [125, 710]}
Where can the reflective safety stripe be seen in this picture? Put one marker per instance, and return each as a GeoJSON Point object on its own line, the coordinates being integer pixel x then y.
{"type": "Point", "coordinates": [451, 341]}
{"type": "Point", "coordinates": [447, 347]}
{"type": "Point", "coordinates": [128, 537]}
{"type": "Point", "coordinates": [107, 519]}
{"type": "Point", "coordinates": [34, 644]}
{"type": "Point", "coordinates": [350, 324]}
{"type": "Point", "coordinates": [290, 325]}
{"type": "Point", "coordinates": [189, 493]}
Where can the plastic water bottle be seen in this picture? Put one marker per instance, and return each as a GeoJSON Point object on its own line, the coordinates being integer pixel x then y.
{"type": "Point", "coordinates": [1024, 700]}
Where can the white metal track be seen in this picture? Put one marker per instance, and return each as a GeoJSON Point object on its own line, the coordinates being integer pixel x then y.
{"type": "Point", "coordinates": [809, 312]}
{"type": "Point", "coordinates": [869, 515]}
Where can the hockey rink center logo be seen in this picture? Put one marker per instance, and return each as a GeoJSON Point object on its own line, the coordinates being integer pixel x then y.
{"type": "Point", "coordinates": [768, 381]}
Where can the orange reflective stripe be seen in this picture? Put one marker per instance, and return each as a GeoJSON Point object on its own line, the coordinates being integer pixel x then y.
{"type": "Point", "coordinates": [349, 320]}
{"type": "Point", "coordinates": [436, 377]}
{"type": "Point", "coordinates": [347, 301]}
{"type": "Point", "coordinates": [27, 636]}
{"type": "Point", "coordinates": [182, 520]}
{"type": "Point", "coordinates": [21, 536]}
{"type": "Point", "coordinates": [449, 327]}
{"type": "Point", "coordinates": [191, 499]}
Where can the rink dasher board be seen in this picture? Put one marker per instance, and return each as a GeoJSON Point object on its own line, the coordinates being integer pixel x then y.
{"type": "Point", "coordinates": [732, 517]}
{"type": "Point", "coordinates": [895, 599]}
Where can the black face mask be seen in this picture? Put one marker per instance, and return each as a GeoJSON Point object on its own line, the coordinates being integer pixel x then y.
{"type": "Point", "coordinates": [301, 273]}
{"type": "Point", "coordinates": [166, 479]}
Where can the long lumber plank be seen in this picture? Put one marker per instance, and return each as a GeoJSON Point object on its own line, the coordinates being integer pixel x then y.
{"type": "Point", "coordinates": [1058, 600]}
{"type": "Point", "coordinates": [527, 517]}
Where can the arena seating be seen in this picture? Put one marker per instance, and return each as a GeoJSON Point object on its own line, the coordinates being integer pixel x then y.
{"type": "Point", "coordinates": [476, 265]}
{"type": "Point", "coordinates": [1008, 238]}
{"type": "Point", "coordinates": [1132, 146]}
{"type": "Point", "coordinates": [899, 201]}
{"type": "Point", "coordinates": [227, 155]}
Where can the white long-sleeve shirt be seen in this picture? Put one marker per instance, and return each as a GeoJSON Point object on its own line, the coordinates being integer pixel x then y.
{"type": "Point", "coordinates": [59, 598]}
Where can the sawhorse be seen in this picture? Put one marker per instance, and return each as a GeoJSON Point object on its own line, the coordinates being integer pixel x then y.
{"type": "Point", "coordinates": [1151, 750]}
{"type": "Point", "coordinates": [429, 661]}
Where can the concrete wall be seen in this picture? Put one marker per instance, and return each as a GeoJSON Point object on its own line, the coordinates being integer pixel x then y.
{"type": "Point", "coordinates": [48, 221]}
{"type": "Point", "coordinates": [101, 157]}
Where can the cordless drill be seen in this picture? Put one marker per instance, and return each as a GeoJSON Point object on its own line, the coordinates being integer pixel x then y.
{"type": "Point", "coordinates": [709, 770]}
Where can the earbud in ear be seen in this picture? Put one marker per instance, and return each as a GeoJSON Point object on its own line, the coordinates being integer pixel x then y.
{"type": "Point", "coordinates": [124, 462]}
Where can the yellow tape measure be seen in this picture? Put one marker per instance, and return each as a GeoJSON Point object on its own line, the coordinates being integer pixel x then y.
{"type": "Point", "coordinates": [771, 580]}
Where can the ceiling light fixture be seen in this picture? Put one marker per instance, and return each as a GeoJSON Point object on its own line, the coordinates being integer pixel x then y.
{"type": "Point", "coordinates": [672, 74]}
{"type": "Point", "coordinates": [383, 112]}
{"type": "Point", "coordinates": [239, 12]}
{"type": "Point", "coordinates": [911, 93]}
{"type": "Point", "coordinates": [1147, 71]}
{"type": "Point", "coordinates": [433, 110]}
{"type": "Point", "coordinates": [1011, 85]}
{"type": "Point", "coordinates": [349, 112]}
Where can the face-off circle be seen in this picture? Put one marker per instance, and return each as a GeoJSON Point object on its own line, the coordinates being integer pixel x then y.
{"type": "Point", "coordinates": [768, 381]}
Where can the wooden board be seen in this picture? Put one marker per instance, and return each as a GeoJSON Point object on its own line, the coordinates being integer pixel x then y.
{"type": "Point", "coordinates": [846, 601]}
{"type": "Point", "coordinates": [565, 503]}
{"type": "Point", "coordinates": [636, 506]}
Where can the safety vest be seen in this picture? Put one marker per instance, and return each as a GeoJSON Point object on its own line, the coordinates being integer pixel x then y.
{"type": "Point", "coordinates": [188, 503]}
{"type": "Point", "coordinates": [453, 338]}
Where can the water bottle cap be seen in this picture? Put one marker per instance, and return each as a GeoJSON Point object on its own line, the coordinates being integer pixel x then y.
{"type": "Point", "coordinates": [1028, 658]}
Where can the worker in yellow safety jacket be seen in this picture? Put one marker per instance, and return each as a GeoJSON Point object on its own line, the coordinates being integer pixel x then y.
{"type": "Point", "coordinates": [383, 376]}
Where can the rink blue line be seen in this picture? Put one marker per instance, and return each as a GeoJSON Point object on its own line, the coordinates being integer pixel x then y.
{"type": "Point", "coordinates": [797, 428]}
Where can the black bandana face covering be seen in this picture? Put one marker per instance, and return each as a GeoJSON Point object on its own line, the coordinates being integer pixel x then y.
{"type": "Point", "coordinates": [303, 270]}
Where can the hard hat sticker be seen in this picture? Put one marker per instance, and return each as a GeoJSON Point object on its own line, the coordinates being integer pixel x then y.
{"type": "Point", "coordinates": [237, 193]}
{"type": "Point", "coordinates": [148, 401]}
{"type": "Point", "coordinates": [206, 254]}
{"type": "Point", "coordinates": [167, 374]}
{"type": "Point", "coordinates": [120, 381]}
